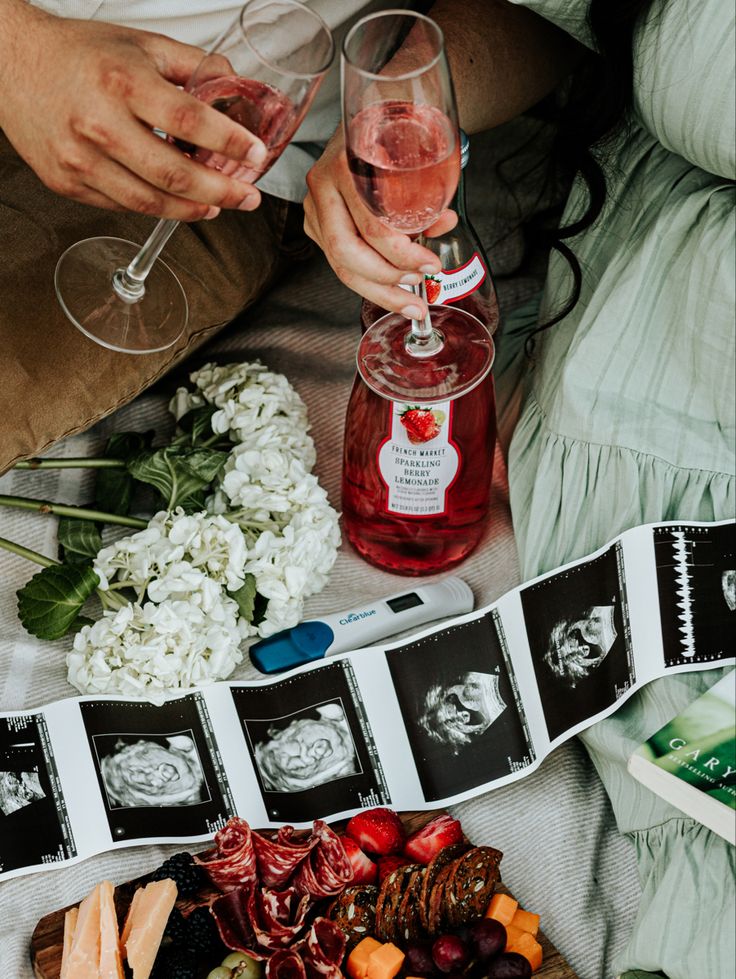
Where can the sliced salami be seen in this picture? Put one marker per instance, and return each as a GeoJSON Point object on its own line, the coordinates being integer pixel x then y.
{"type": "Point", "coordinates": [323, 949]}
{"type": "Point", "coordinates": [286, 964]}
{"type": "Point", "coordinates": [234, 864]}
{"type": "Point", "coordinates": [327, 869]}
{"type": "Point", "coordinates": [277, 917]}
{"type": "Point", "coordinates": [277, 859]}
{"type": "Point", "coordinates": [233, 922]}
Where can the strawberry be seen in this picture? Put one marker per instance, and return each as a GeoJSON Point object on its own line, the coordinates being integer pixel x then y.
{"type": "Point", "coordinates": [377, 831]}
{"type": "Point", "coordinates": [437, 834]}
{"type": "Point", "coordinates": [364, 870]}
{"type": "Point", "coordinates": [433, 288]}
{"type": "Point", "coordinates": [420, 424]}
{"type": "Point", "coordinates": [387, 865]}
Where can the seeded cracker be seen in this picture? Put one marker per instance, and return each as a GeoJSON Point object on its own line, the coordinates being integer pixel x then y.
{"type": "Point", "coordinates": [446, 856]}
{"type": "Point", "coordinates": [408, 922]}
{"type": "Point", "coordinates": [471, 884]}
{"type": "Point", "coordinates": [389, 899]}
{"type": "Point", "coordinates": [354, 912]}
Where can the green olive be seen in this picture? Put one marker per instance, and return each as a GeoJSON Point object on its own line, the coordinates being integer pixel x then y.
{"type": "Point", "coordinates": [243, 966]}
{"type": "Point", "coordinates": [221, 972]}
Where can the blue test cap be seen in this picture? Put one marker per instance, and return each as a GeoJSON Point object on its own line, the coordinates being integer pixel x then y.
{"type": "Point", "coordinates": [292, 647]}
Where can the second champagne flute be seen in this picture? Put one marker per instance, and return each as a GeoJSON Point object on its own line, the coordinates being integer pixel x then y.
{"type": "Point", "coordinates": [263, 72]}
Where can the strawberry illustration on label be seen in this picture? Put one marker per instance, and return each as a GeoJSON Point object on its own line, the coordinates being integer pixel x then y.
{"type": "Point", "coordinates": [433, 287]}
{"type": "Point", "coordinates": [422, 424]}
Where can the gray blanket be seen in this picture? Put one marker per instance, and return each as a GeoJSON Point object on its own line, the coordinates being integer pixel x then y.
{"type": "Point", "coordinates": [563, 855]}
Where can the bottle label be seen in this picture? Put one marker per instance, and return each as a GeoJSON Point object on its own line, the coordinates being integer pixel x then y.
{"type": "Point", "coordinates": [450, 285]}
{"type": "Point", "coordinates": [418, 461]}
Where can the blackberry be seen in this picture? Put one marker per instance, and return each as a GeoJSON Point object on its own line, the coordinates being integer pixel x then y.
{"type": "Point", "coordinates": [176, 927]}
{"type": "Point", "coordinates": [184, 872]}
{"type": "Point", "coordinates": [201, 931]}
{"type": "Point", "coordinates": [175, 963]}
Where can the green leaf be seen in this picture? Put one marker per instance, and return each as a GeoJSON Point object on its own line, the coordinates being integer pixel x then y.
{"type": "Point", "coordinates": [197, 423]}
{"type": "Point", "coordinates": [50, 603]}
{"type": "Point", "coordinates": [245, 596]}
{"type": "Point", "coordinates": [114, 487]}
{"type": "Point", "coordinates": [177, 473]}
{"type": "Point", "coordinates": [79, 540]}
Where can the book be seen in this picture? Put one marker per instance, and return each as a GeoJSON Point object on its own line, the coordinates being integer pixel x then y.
{"type": "Point", "coordinates": [691, 761]}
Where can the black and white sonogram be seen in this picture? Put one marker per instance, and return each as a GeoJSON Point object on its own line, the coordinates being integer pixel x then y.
{"type": "Point", "coordinates": [577, 623]}
{"type": "Point", "coordinates": [696, 580]}
{"type": "Point", "coordinates": [158, 768]}
{"type": "Point", "coordinates": [460, 708]}
{"type": "Point", "coordinates": [311, 745]}
{"type": "Point", "coordinates": [34, 825]}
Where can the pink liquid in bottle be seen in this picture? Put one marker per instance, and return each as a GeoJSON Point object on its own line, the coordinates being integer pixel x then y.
{"type": "Point", "coordinates": [417, 478]}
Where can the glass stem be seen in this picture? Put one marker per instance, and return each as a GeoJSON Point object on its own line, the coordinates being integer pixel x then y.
{"type": "Point", "coordinates": [424, 340]}
{"type": "Point", "coordinates": [129, 283]}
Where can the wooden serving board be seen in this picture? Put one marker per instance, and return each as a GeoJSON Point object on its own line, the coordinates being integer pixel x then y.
{"type": "Point", "coordinates": [48, 935]}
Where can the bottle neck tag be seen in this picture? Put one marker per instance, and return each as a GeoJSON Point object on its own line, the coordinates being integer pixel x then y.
{"type": "Point", "coordinates": [451, 285]}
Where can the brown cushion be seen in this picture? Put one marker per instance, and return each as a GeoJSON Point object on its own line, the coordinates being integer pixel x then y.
{"type": "Point", "coordinates": [54, 381]}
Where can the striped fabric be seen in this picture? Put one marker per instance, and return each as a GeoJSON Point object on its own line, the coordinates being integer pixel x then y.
{"type": "Point", "coordinates": [629, 417]}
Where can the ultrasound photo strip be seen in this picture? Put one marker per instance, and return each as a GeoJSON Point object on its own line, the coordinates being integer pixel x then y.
{"type": "Point", "coordinates": [460, 708]}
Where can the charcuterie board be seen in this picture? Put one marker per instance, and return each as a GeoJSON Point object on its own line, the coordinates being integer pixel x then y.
{"type": "Point", "coordinates": [47, 938]}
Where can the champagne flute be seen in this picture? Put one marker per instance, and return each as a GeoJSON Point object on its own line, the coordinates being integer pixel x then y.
{"type": "Point", "coordinates": [403, 150]}
{"type": "Point", "coordinates": [263, 72]}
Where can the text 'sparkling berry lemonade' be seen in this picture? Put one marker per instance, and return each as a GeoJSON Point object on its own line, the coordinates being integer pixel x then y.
{"type": "Point", "coordinates": [417, 477]}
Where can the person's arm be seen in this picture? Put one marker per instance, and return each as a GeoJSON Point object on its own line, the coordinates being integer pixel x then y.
{"type": "Point", "coordinates": [79, 99]}
{"type": "Point", "coordinates": [503, 59]}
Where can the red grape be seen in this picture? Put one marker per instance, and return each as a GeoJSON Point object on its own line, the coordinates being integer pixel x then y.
{"type": "Point", "coordinates": [449, 953]}
{"type": "Point", "coordinates": [419, 959]}
{"type": "Point", "coordinates": [488, 937]}
{"type": "Point", "coordinates": [509, 965]}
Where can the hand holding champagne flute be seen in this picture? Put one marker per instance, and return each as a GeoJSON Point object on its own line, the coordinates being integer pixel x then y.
{"type": "Point", "coordinates": [263, 73]}
{"type": "Point", "coordinates": [403, 150]}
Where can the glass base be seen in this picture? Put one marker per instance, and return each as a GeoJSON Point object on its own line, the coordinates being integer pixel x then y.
{"type": "Point", "coordinates": [83, 280]}
{"type": "Point", "coordinates": [394, 366]}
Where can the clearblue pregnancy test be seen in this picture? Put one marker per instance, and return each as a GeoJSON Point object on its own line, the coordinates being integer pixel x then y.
{"type": "Point", "coordinates": [361, 625]}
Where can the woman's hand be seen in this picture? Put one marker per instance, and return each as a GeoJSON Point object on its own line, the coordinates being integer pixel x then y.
{"type": "Point", "coordinates": [78, 101]}
{"type": "Point", "coordinates": [363, 251]}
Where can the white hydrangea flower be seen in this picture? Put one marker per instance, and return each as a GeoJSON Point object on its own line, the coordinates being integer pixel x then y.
{"type": "Point", "coordinates": [148, 650]}
{"type": "Point", "coordinates": [201, 540]}
{"type": "Point", "coordinates": [290, 566]}
{"type": "Point", "coordinates": [184, 401]}
{"type": "Point", "coordinates": [248, 396]}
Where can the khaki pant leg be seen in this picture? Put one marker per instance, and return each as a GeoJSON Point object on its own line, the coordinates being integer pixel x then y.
{"type": "Point", "coordinates": [54, 381]}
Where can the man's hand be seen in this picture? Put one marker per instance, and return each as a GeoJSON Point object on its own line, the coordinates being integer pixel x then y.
{"type": "Point", "coordinates": [78, 101]}
{"type": "Point", "coordinates": [363, 251]}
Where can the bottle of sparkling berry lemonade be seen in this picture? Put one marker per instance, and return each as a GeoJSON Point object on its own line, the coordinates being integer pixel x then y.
{"type": "Point", "coordinates": [420, 426]}
{"type": "Point", "coordinates": [465, 278]}
{"type": "Point", "coordinates": [417, 473]}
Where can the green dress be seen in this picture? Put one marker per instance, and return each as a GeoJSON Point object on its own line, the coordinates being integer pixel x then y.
{"type": "Point", "coordinates": [629, 417]}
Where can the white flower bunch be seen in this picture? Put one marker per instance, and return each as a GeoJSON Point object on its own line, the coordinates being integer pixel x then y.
{"type": "Point", "coordinates": [173, 546]}
{"type": "Point", "coordinates": [146, 651]}
{"type": "Point", "coordinates": [267, 486]}
{"type": "Point", "coordinates": [268, 522]}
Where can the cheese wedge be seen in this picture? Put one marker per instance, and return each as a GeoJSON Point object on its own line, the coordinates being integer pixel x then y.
{"type": "Point", "coordinates": [70, 923]}
{"type": "Point", "coordinates": [111, 962]}
{"type": "Point", "coordinates": [129, 918]}
{"type": "Point", "coordinates": [83, 959]}
{"type": "Point", "coordinates": [145, 926]}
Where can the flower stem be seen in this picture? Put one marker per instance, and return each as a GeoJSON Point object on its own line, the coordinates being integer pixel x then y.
{"type": "Point", "coordinates": [76, 463]}
{"type": "Point", "coordinates": [81, 513]}
{"type": "Point", "coordinates": [26, 552]}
